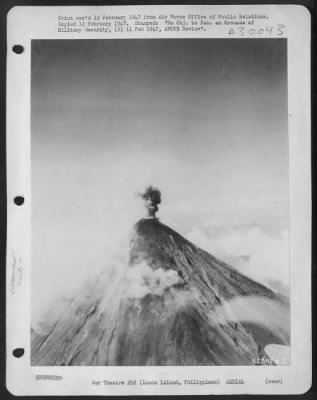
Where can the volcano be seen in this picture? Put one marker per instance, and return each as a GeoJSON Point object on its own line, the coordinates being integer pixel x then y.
{"type": "Point", "coordinates": [171, 304]}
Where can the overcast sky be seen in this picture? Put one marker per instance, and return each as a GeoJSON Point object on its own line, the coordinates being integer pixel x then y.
{"type": "Point", "coordinates": [203, 119]}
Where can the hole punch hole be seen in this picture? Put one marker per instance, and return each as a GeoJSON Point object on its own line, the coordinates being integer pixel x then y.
{"type": "Point", "coordinates": [19, 200]}
{"type": "Point", "coordinates": [18, 49]}
{"type": "Point", "coordinates": [18, 352]}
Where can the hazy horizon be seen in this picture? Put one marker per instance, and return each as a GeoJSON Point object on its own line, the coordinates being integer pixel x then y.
{"type": "Point", "coordinates": [205, 120]}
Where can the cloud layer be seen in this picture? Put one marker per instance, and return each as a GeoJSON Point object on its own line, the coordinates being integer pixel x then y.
{"type": "Point", "coordinates": [253, 252]}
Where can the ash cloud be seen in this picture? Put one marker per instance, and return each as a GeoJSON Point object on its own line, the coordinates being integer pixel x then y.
{"type": "Point", "coordinates": [152, 197]}
{"type": "Point", "coordinates": [141, 280]}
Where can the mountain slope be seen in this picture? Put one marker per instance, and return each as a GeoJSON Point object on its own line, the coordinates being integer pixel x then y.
{"type": "Point", "coordinates": [173, 304]}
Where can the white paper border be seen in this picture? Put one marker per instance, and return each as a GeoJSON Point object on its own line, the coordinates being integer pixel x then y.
{"type": "Point", "coordinates": [26, 23]}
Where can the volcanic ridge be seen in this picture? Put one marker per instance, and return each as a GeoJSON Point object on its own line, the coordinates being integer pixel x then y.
{"type": "Point", "coordinates": [172, 304]}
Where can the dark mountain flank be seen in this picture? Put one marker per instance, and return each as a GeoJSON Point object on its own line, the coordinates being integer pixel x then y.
{"type": "Point", "coordinates": [172, 304]}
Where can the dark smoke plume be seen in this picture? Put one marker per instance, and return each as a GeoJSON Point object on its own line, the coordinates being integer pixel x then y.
{"type": "Point", "coordinates": [151, 197]}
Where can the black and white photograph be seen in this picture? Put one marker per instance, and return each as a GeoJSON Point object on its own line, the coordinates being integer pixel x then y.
{"type": "Point", "coordinates": [160, 202]}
